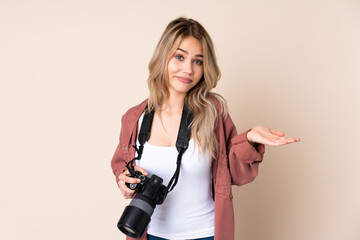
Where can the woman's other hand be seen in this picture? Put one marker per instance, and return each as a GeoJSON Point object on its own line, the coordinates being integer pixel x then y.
{"type": "Point", "coordinates": [125, 177]}
{"type": "Point", "coordinates": [265, 135]}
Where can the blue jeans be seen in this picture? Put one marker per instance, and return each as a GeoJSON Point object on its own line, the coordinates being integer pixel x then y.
{"type": "Point", "coordinates": [150, 237]}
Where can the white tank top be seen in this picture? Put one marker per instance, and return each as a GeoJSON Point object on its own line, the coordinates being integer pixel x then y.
{"type": "Point", "coordinates": [188, 210]}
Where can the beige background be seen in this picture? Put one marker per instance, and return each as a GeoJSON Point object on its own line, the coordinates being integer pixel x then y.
{"type": "Point", "coordinates": [69, 70]}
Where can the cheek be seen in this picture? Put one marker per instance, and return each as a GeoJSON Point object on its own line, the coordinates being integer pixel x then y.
{"type": "Point", "coordinates": [199, 72]}
{"type": "Point", "coordinates": [172, 67]}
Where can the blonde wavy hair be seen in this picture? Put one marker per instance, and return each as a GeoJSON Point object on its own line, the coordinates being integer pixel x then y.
{"type": "Point", "coordinates": [201, 101]}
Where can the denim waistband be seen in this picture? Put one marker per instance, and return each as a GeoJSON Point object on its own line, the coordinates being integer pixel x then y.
{"type": "Point", "coordinates": [150, 237]}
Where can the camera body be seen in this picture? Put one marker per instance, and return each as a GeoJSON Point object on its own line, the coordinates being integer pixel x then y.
{"type": "Point", "coordinates": [150, 187]}
{"type": "Point", "coordinates": [136, 216]}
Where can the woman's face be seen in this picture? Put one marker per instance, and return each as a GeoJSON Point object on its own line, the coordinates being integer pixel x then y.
{"type": "Point", "coordinates": [185, 67]}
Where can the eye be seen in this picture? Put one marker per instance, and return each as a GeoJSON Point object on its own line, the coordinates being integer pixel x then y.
{"type": "Point", "coordinates": [198, 62]}
{"type": "Point", "coordinates": [179, 57]}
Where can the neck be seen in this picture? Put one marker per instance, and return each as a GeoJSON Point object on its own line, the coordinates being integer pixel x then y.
{"type": "Point", "coordinates": [174, 103]}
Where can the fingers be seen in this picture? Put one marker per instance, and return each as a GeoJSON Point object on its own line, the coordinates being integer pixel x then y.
{"type": "Point", "coordinates": [291, 140]}
{"type": "Point", "coordinates": [125, 177]}
{"type": "Point", "coordinates": [128, 179]}
{"type": "Point", "coordinates": [282, 134]}
{"type": "Point", "coordinates": [278, 133]}
{"type": "Point", "coordinates": [143, 171]}
{"type": "Point", "coordinates": [269, 137]}
{"type": "Point", "coordinates": [126, 192]}
{"type": "Point", "coordinates": [282, 141]}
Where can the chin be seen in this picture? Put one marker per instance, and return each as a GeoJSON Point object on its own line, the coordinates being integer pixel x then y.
{"type": "Point", "coordinates": [181, 89]}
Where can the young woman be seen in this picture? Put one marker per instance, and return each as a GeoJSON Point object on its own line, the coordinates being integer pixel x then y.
{"type": "Point", "coordinates": [183, 71]}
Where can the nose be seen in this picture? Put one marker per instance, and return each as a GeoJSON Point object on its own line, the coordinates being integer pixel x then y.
{"type": "Point", "coordinates": [188, 67]}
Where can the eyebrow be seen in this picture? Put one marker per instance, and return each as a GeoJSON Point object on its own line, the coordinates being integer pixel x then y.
{"type": "Point", "coordinates": [197, 55]}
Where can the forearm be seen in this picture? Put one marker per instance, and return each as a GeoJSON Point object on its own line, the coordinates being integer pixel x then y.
{"type": "Point", "coordinates": [244, 159]}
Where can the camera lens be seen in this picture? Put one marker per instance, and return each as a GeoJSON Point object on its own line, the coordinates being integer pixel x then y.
{"type": "Point", "coordinates": [128, 229]}
{"type": "Point", "coordinates": [136, 216]}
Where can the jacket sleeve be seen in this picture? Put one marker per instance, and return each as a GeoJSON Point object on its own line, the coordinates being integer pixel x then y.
{"type": "Point", "coordinates": [121, 155]}
{"type": "Point", "coordinates": [244, 158]}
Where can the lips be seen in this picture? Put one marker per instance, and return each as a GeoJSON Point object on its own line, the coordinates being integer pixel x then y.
{"type": "Point", "coordinates": [184, 79]}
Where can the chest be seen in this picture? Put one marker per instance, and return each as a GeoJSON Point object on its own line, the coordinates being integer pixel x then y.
{"type": "Point", "coordinates": [164, 130]}
{"type": "Point", "coordinates": [161, 161]}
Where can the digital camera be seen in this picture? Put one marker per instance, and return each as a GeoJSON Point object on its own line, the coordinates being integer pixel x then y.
{"type": "Point", "coordinates": [136, 216]}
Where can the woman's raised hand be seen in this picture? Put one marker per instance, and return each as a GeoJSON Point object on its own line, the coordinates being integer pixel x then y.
{"type": "Point", "coordinates": [269, 137]}
{"type": "Point", "coordinates": [125, 178]}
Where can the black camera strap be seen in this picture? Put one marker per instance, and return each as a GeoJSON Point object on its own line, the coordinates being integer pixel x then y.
{"type": "Point", "coordinates": [182, 141]}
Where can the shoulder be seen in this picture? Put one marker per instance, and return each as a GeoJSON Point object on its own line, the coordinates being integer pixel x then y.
{"type": "Point", "coordinates": [219, 104]}
{"type": "Point", "coordinates": [223, 121]}
{"type": "Point", "coordinates": [134, 113]}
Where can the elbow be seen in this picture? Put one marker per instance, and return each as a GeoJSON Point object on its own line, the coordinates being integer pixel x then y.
{"type": "Point", "coordinates": [245, 175]}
